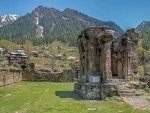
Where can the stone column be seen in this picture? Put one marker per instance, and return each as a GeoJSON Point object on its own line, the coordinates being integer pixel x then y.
{"type": "Point", "coordinates": [130, 54]}
{"type": "Point", "coordinates": [119, 69]}
{"type": "Point", "coordinates": [91, 57]}
{"type": "Point", "coordinates": [125, 62]}
{"type": "Point", "coordinates": [127, 73]}
{"type": "Point", "coordinates": [81, 53]}
{"type": "Point", "coordinates": [119, 66]}
{"type": "Point", "coordinates": [105, 40]}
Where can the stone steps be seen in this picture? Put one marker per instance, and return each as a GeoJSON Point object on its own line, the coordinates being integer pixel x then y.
{"type": "Point", "coordinates": [117, 80]}
{"type": "Point", "coordinates": [127, 94]}
{"type": "Point", "coordinates": [125, 88]}
{"type": "Point", "coordinates": [126, 91]}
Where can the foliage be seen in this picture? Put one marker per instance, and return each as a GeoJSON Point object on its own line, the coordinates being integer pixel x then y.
{"type": "Point", "coordinates": [28, 47]}
{"type": "Point", "coordinates": [64, 26]}
{"type": "Point", "coordinates": [140, 71]}
{"type": "Point", "coordinates": [149, 91]}
{"type": "Point", "coordinates": [144, 51]}
{"type": "Point", "coordinates": [8, 45]}
{"type": "Point", "coordinates": [23, 28]}
{"type": "Point", "coordinates": [144, 26]}
{"type": "Point", "coordinates": [143, 45]}
{"type": "Point", "coordinates": [2, 59]}
{"type": "Point", "coordinates": [146, 39]}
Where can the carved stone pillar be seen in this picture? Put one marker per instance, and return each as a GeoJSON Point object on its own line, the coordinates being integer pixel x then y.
{"type": "Point", "coordinates": [105, 40]}
{"type": "Point", "coordinates": [81, 77]}
{"type": "Point", "coordinates": [119, 69]}
{"type": "Point", "coordinates": [119, 65]}
{"type": "Point", "coordinates": [130, 54]}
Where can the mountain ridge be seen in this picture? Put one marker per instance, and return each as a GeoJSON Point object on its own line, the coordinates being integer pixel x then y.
{"type": "Point", "coordinates": [144, 26]}
{"type": "Point", "coordinates": [49, 24]}
{"type": "Point", "coordinates": [7, 19]}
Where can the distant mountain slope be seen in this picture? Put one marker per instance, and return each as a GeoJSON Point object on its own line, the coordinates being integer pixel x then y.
{"type": "Point", "coordinates": [7, 19]}
{"type": "Point", "coordinates": [52, 24]}
{"type": "Point", "coordinates": [22, 27]}
{"type": "Point", "coordinates": [88, 21]}
{"type": "Point", "coordinates": [144, 26]}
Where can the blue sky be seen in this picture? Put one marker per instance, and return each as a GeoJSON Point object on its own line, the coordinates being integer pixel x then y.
{"type": "Point", "coordinates": [126, 13]}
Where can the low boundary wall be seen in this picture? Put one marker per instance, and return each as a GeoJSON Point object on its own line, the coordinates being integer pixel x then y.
{"type": "Point", "coordinates": [9, 76]}
{"type": "Point", "coordinates": [65, 76]}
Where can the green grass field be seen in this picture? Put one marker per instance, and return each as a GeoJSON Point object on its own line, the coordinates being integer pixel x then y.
{"type": "Point", "coordinates": [48, 97]}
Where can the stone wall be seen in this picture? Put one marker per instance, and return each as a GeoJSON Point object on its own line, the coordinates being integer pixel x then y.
{"type": "Point", "coordinates": [65, 76]}
{"type": "Point", "coordinates": [9, 76]}
{"type": "Point", "coordinates": [145, 79]}
{"type": "Point", "coordinates": [95, 54]}
{"type": "Point", "coordinates": [125, 55]}
{"type": "Point", "coordinates": [103, 55]}
{"type": "Point", "coordinates": [95, 91]}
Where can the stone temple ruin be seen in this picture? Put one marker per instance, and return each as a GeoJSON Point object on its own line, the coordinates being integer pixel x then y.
{"type": "Point", "coordinates": [104, 57]}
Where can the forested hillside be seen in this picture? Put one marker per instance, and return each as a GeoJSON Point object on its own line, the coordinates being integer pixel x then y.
{"type": "Point", "coordinates": [44, 25]}
{"type": "Point", "coordinates": [22, 28]}
{"type": "Point", "coordinates": [144, 26]}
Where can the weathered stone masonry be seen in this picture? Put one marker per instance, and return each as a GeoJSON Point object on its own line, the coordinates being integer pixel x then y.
{"type": "Point", "coordinates": [38, 76]}
{"type": "Point", "coordinates": [95, 54]}
{"type": "Point", "coordinates": [9, 76]}
{"type": "Point", "coordinates": [102, 55]}
{"type": "Point", "coordinates": [125, 55]}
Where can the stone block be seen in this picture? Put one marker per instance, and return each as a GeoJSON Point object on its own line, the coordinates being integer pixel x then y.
{"type": "Point", "coordinates": [95, 80]}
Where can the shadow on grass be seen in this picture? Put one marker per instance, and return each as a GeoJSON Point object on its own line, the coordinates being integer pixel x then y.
{"type": "Point", "coordinates": [69, 94]}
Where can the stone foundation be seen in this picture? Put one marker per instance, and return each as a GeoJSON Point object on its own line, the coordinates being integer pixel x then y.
{"type": "Point", "coordinates": [95, 91]}
{"type": "Point", "coordinates": [145, 79]}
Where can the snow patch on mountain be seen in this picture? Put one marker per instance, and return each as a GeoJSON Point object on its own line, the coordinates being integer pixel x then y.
{"type": "Point", "coordinates": [40, 28]}
{"type": "Point", "coordinates": [37, 20]}
{"type": "Point", "coordinates": [65, 18]}
{"type": "Point", "coordinates": [7, 19]}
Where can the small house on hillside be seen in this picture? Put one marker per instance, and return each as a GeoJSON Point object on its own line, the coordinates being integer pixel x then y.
{"type": "Point", "coordinates": [19, 58]}
{"type": "Point", "coordinates": [58, 56]}
{"type": "Point", "coordinates": [21, 51]}
{"type": "Point", "coordinates": [2, 51]}
{"type": "Point", "coordinates": [34, 53]}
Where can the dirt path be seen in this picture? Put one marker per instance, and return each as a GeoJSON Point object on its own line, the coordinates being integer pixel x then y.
{"type": "Point", "coordinates": [139, 102]}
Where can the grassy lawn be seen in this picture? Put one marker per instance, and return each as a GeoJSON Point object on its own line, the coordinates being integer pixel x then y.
{"type": "Point", "coordinates": [47, 97]}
